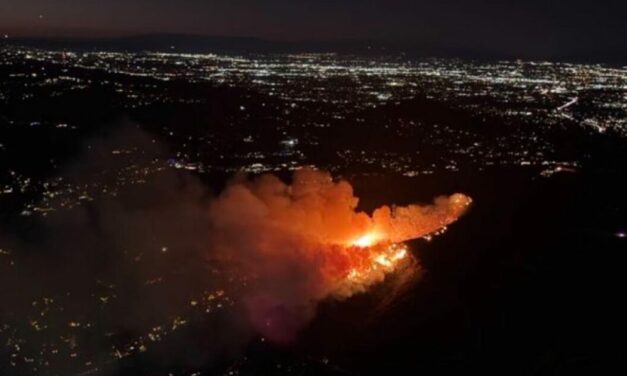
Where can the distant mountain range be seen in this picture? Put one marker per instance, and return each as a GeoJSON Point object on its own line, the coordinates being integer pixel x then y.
{"type": "Point", "coordinates": [192, 44]}
{"type": "Point", "coordinates": [219, 44]}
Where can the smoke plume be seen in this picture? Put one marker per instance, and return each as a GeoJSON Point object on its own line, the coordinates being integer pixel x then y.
{"type": "Point", "coordinates": [137, 259]}
{"type": "Point", "coordinates": [301, 243]}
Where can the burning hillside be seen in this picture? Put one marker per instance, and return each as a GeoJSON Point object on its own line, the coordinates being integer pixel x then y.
{"type": "Point", "coordinates": [301, 243]}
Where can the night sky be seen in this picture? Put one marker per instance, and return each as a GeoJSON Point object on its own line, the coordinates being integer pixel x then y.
{"type": "Point", "coordinates": [525, 27]}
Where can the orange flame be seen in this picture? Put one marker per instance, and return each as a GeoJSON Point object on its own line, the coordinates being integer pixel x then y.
{"type": "Point", "coordinates": [367, 240]}
{"type": "Point", "coordinates": [380, 258]}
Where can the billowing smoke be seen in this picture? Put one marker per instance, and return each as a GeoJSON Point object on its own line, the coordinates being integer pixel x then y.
{"type": "Point", "coordinates": [164, 261]}
{"type": "Point", "coordinates": [301, 243]}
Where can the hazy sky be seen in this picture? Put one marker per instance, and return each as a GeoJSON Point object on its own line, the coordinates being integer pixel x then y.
{"type": "Point", "coordinates": [526, 26]}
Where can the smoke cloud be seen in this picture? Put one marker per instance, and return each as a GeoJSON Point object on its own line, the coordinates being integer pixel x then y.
{"type": "Point", "coordinates": [155, 258]}
{"type": "Point", "coordinates": [305, 242]}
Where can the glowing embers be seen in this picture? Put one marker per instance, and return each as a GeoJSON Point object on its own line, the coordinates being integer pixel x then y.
{"type": "Point", "coordinates": [356, 268]}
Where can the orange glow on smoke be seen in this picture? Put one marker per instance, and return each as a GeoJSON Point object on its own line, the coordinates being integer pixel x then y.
{"type": "Point", "coordinates": [300, 243]}
{"type": "Point", "coordinates": [367, 240]}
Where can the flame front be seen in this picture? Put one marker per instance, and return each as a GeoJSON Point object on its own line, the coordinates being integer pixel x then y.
{"type": "Point", "coordinates": [355, 266]}
{"type": "Point", "coordinates": [381, 259]}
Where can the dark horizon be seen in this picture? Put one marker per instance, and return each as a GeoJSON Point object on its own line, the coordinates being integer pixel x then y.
{"type": "Point", "coordinates": [205, 43]}
{"type": "Point", "coordinates": [532, 29]}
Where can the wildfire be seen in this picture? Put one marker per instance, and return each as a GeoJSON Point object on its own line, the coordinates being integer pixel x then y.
{"type": "Point", "coordinates": [306, 241]}
{"type": "Point", "coordinates": [384, 258]}
{"type": "Point", "coordinates": [381, 257]}
{"type": "Point", "coordinates": [357, 266]}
